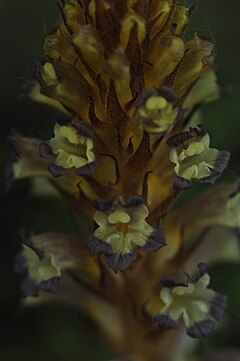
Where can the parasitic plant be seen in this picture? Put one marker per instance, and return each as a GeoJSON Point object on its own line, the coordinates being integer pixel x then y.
{"type": "Point", "coordinates": [127, 142]}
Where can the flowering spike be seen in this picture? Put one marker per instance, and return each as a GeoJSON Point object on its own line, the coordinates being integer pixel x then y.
{"type": "Point", "coordinates": [127, 84]}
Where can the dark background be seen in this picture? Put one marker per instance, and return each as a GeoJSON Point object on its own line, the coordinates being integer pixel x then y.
{"type": "Point", "coordinates": [56, 333]}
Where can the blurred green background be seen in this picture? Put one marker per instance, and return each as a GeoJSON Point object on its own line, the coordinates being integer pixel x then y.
{"type": "Point", "coordinates": [57, 333]}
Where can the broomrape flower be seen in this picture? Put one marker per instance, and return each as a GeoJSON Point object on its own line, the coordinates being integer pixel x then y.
{"type": "Point", "coordinates": [194, 159]}
{"type": "Point", "coordinates": [156, 111]}
{"type": "Point", "coordinates": [190, 299]}
{"type": "Point", "coordinates": [127, 85]}
{"type": "Point", "coordinates": [121, 227]}
{"type": "Point", "coordinates": [72, 147]}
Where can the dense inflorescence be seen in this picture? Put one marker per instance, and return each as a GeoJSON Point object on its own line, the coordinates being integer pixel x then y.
{"type": "Point", "coordinates": [128, 87]}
